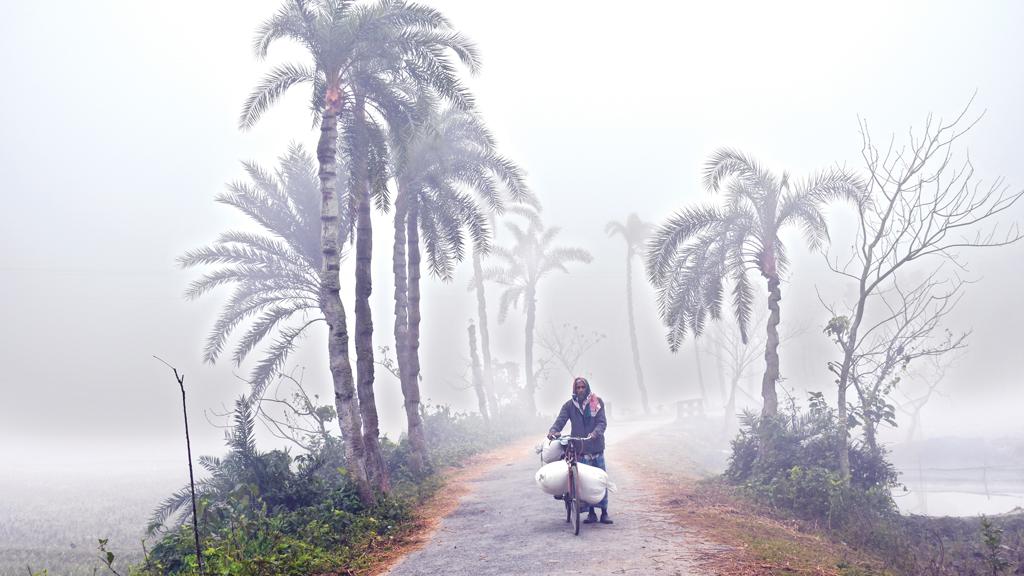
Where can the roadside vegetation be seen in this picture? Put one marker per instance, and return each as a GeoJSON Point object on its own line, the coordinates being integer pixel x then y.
{"type": "Point", "coordinates": [817, 465]}
{"type": "Point", "coordinates": [278, 513]}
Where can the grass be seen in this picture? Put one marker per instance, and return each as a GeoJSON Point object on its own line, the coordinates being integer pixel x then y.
{"type": "Point", "coordinates": [741, 537]}
{"type": "Point", "coordinates": [53, 520]}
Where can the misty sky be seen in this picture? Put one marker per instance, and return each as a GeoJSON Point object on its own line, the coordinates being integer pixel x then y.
{"type": "Point", "coordinates": [120, 126]}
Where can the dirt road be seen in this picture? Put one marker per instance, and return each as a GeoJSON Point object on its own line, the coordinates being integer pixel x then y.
{"type": "Point", "coordinates": [506, 525]}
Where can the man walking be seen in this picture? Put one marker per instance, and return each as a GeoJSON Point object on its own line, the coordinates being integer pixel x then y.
{"type": "Point", "coordinates": [585, 412]}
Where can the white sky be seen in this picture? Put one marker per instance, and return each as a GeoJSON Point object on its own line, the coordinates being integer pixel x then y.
{"type": "Point", "coordinates": [119, 127]}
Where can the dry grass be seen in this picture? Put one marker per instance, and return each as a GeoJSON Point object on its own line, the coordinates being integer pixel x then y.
{"type": "Point", "coordinates": [742, 540]}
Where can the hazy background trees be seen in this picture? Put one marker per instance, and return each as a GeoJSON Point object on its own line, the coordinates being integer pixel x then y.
{"type": "Point", "coordinates": [700, 251]}
{"type": "Point", "coordinates": [560, 143]}
{"type": "Point", "coordinates": [519, 269]}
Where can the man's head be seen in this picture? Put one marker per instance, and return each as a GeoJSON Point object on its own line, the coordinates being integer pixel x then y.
{"type": "Point", "coordinates": [580, 388]}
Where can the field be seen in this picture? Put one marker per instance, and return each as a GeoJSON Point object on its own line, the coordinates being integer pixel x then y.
{"type": "Point", "coordinates": [53, 519]}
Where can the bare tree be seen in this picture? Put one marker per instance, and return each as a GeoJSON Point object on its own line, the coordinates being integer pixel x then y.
{"type": "Point", "coordinates": [737, 357]}
{"type": "Point", "coordinates": [914, 401]}
{"type": "Point", "coordinates": [567, 344]}
{"type": "Point", "coordinates": [909, 329]}
{"type": "Point", "coordinates": [700, 371]}
{"type": "Point", "coordinates": [920, 205]}
{"type": "Point", "coordinates": [292, 414]}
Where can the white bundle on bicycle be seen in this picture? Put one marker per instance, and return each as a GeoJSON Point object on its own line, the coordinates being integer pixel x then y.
{"type": "Point", "coordinates": [592, 483]}
{"type": "Point", "coordinates": [550, 451]}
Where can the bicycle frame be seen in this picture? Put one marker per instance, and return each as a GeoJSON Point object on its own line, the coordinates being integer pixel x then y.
{"type": "Point", "coordinates": [573, 504]}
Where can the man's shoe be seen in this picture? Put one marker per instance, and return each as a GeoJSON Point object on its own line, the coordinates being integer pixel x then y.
{"type": "Point", "coordinates": [605, 519]}
{"type": "Point", "coordinates": [591, 518]}
{"type": "Point", "coordinates": [558, 497]}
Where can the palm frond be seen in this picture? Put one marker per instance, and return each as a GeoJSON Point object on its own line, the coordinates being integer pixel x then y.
{"type": "Point", "coordinates": [271, 89]}
{"type": "Point", "coordinates": [177, 503]}
{"type": "Point", "coordinates": [669, 237]}
{"type": "Point", "coordinates": [275, 357]}
{"type": "Point", "coordinates": [241, 438]}
{"type": "Point", "coordinates": [273, 316]}
{"type": "Point", "coordinates": [293, 20]}
{"type": "Point", "coordinates": [742, 301]}
{"type": "Point", "coordinates": [248, 300]}
{"type": "Point", "coordinates": [727, 162]}
{"type": "Point", "coordinates": [557, 258]}
{"type": "Point", "coordinates": [508, 299]}
{"type": "Point", "coordinates": [834, 184]}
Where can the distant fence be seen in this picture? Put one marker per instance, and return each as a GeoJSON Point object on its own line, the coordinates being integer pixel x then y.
{"type": "Point", "coordinates": [690, 409]}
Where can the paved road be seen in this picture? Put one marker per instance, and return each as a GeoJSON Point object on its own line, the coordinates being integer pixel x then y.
{"type": "Point", "coordinates": [505, 525]}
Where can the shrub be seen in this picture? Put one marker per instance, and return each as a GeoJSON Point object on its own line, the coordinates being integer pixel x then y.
{"type": "Point", "coordinates": [789, 462]}
{"type": "Point", "coordinates": [270, 513]}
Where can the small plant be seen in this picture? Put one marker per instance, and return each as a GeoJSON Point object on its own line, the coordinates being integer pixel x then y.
{"type": "Point", "coordinates": [106, 556]}
{"type": "Point", "coordinates": [994, 552]}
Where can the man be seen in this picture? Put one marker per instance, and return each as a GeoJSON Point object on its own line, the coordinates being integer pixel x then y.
{"type": "Point", "coordinates": [585, 411]}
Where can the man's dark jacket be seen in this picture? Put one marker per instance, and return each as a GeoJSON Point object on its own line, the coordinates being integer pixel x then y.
{"type": "Point", "coordinates": [581, 427]}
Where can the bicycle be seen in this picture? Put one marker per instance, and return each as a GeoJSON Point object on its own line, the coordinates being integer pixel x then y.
{"type": "Point", "coordinates": [573, 504]}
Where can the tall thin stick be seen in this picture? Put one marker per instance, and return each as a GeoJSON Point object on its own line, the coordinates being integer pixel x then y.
{"type": "Point", "coordinates": [191, 475]}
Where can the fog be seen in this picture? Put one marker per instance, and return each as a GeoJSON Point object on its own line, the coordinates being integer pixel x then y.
{"type": "Point", "coordinates": [120, 127]}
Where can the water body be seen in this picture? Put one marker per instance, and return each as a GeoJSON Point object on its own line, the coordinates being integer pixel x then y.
{"type": "Point", "coordinates": [961, 492]}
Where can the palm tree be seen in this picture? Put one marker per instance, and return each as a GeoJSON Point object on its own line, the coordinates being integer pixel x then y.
{"type": "Point", "coordinates": [449, 173]}
{"type": "Point", "coordinates": [634, 232]}
{"type": "Point", "coordinates": [521, 268]}
{"type": "Point", "coordinates": [363, 57]}
{"type": "Point", "coordinates": [692, 255]}
{"type": "Point", "coordinates": [402, 100]}
{"type": "Point", "coordinates": [477, 286]}
{"type": "Point", "coordinates": [276, 274]}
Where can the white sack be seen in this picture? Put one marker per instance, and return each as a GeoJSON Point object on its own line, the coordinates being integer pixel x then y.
{"type": "Point", "coordinates": [553, 478]}
{"type": "Point", "coordinates": [551, 451]}
{"type": "Point", "coordinates": [592, 483]}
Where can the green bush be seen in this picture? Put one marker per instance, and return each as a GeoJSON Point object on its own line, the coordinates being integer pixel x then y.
{"type": "Point", "coordinates": [269, 513]}
{"type": "Point", "coordinates": [790, 462]}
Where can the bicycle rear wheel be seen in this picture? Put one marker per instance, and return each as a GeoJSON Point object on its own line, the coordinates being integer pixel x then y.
{"type": "Point", "coordinates": [574, 501]}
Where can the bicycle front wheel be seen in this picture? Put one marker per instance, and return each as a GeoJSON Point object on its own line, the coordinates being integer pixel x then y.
{"type": "Point", "coordinates": [574, 501]}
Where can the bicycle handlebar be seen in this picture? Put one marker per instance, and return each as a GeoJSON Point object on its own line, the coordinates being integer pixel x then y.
{"type": "Point", "coordinates": [563, 440]}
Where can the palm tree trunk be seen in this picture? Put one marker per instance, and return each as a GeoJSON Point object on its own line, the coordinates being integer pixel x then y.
{"type": "Point", "coordinates": [400, 268]}
{"type": "Point", "coordinates": [531, 378]}
{"type": "Point", "coordinates": [330, 303]}
{"type": "Point", "coordinates": [632, 335]}
{"type": "Point", "coordinates": [478, 375]}
{"type": "Point", "coordinates": [411, 384]}
{"type": "Point", "coordinates": [771, 350]}
{"type": "Point", "coordinates": [364, 321]}
{"type": "Point", "coordinates": [485, 336]}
